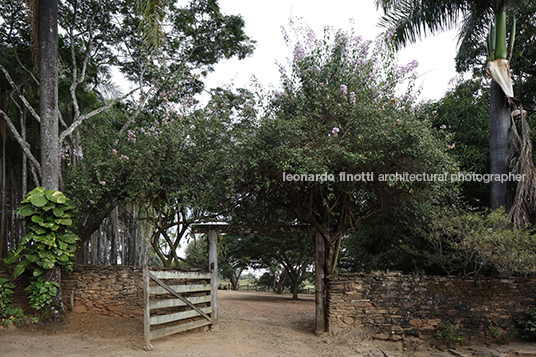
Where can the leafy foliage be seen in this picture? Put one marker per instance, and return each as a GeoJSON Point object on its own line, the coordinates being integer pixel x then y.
{"type": "Point", "coordinates": [462, 118]}
{"type": "Point", "coordinates": [341, 110]}
{"type": "Point", "coordinates": [449, 333]}
{"type": "Point", "coordinates": [529, 324]}
{"type": "Point", "coordinates": [49, 243]}
{"type": "Point", "coordinates": [40, 292]}
{"type": "Point", "coordinates": [7, 312]}
{"type": "Point", "coordinates": [6, 290]}
{"type": "Point", "coordinates": [469, 243]}
{"type": "Point", "coordinates": [50, 240]}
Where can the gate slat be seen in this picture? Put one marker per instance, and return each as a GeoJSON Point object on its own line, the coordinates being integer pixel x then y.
{"type": "Point", "coordinates": [162, 319]}
{"type": "Point", "coordinates": [153, 290]}
{"type": "Point", "coordinates": [160, 304]}
{"type": "Point", "coordinates": [180, 297]}
{"type": "Point", "coordinates": [166, 274]}
{"type": "Point", "coordinates": [180, 328]}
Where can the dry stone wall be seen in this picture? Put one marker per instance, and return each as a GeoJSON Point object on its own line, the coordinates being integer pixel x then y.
{"type": "Point", "coordinates": [393, 306]}
{"type": "Point", "coordinates": [105, 290]}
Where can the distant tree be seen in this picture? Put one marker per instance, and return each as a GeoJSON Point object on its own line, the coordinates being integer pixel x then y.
{"type": "Point", "coordinates": [293, 252]}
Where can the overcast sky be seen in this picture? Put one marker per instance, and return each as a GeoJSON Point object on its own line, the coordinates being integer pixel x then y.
{"type": "Point", "coordinates": [264, 20]}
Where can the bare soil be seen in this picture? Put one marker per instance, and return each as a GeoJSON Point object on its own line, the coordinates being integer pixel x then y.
{"type": "Point", "coordinates": [250, 324]}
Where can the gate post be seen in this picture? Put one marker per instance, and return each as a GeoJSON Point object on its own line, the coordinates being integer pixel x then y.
{"type": "Point", "coordinates": [146, 308]}
{"type": "Point", "coordinates": [213, 269]}
{"type": "Point", "coordinates": [319, 282]}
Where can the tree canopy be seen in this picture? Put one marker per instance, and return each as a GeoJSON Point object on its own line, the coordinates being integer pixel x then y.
{"type": "Point", "coordinates": [339, 116]}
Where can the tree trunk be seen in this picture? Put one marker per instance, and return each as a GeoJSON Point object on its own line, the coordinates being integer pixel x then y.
{"type": "Point", "coordinates": [48, 98]}
{"type": "Point", "coordinates": [3, 213]}
{"type": "Point", "coordinates": [499, 145]}
{"type": "Point", "coordinates": [278, 289]}
{"type": "Point", "coordinates": [295, 285]}
{"type": "Point", "coordinates": [115, 236]}
{"type": "Point", "coordinates": [320, 261]}
{"type": "Point", "coordinates": [24, 173]}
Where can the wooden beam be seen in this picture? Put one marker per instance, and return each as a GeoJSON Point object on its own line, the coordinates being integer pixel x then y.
{"type": "Point", "coordinates": [245, 229]}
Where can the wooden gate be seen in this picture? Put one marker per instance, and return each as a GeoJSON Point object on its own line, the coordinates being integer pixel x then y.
{"type": "Point", "coordinates": [175, 301]}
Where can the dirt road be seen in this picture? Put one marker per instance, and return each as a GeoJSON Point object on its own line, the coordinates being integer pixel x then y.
{"type": "Point", "coordinates": [251, 324]}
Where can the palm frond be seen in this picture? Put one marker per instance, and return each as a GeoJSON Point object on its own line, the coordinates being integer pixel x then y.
{"type": "Point", "coordinates": [411, 20]}
{"type": "Point", "coordinates": [153, 13]}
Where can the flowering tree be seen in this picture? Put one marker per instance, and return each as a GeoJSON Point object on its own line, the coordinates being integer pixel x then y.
{"type": "Point", "coordinates": [336, 134]}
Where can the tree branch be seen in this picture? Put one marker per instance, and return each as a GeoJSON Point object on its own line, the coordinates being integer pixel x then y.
{"type": "Point", "coordinates": [22, 98]}
{"type": "Point", "coordinates": [81, 118]}
{"type": "Point", "coordinates": [23, 144]}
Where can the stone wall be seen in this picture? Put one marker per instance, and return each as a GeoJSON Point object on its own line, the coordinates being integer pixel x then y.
{"type": "Point", "coordinates": [392, 306]}
{"type": "Point", "coordinates": [106, 290]}
{"type": "Point", "coordinates": [112, 290]}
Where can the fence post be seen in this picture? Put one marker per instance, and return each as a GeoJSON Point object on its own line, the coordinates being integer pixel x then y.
{"type": "Point", "coordinates": [213, 268]}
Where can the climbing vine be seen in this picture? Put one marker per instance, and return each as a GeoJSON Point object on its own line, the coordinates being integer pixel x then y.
{"type": "Point", "coordinates": [50, 241]}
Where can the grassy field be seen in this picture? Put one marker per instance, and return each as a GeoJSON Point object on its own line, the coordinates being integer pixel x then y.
{"type": "Point", "coordinates": [249, 284]}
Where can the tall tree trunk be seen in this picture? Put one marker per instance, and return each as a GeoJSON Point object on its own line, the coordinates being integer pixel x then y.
{"type": "Point", "coordinates": [499, 145]}
{"type": "Point", "coordinates": [115, 236]}
{"type": "Point", "coordinates": [24, 172]}
{"type": "Point", "coordinates": [48, 112]}
{"type": "Point", "coordinates": [3, 213]}
{"type": "Point", "coordinates": [295, 284]}
{"type": "Point", "coordinates": [48, 97]}
{"type": "Point", "coordinates": [320, 261]}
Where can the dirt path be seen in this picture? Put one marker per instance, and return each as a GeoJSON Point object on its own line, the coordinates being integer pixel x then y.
{"type": "Point", "coordinates": [251, 324]}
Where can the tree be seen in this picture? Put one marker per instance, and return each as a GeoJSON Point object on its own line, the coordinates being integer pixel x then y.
{"type": "Point", "coordinates": [410, 19]}
{"type": "Point", "coordinates": [266, 251]}
{"type": "Point", "coordinates": [334, 137]}
{"type": "Point", "coordinates": [95, 36]}
{"type": "Point", "coordinates": [462, 117]}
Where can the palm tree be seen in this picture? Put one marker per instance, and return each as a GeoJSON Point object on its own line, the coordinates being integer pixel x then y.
{"type": "Point", "coordinates": [411, 19]}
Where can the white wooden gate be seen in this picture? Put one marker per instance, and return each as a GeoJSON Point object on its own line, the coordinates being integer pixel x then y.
{"type": "Point", "coordinates": [175, 301]}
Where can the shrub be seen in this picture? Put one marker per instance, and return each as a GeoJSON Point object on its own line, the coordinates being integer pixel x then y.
{"type": "Point", "coordinates": [469, 243]}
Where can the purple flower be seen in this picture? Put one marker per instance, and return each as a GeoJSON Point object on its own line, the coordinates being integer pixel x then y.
{"type": "Point", "coordinates": [344, 90]}
{"type": "Point", "coordinates": [335, 131]}
{"type": "Point", "coordinates": [443, 126]}
{"type": "Point", "coordinates": [131, 135]}
{"type": "Point", "coordinates": [298, 52]}
{"type": "Point", "coordinates": [352, 97]}
{"type": "Point", "coordinates": [103, 183]}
